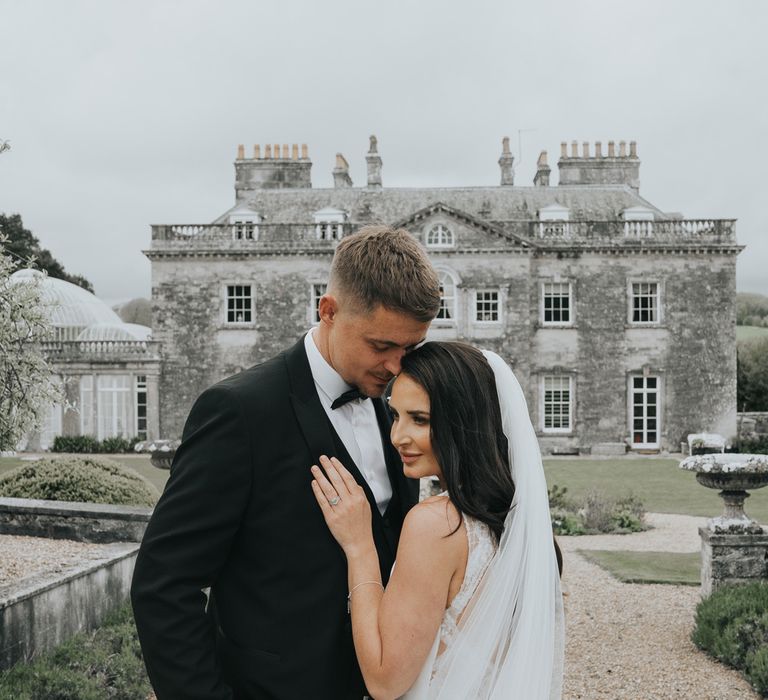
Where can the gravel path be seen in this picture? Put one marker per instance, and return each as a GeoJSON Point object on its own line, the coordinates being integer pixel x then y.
{"type": "Point", "coordinates": [625, 641]}
{"type": "Point", "coordinates": [632, 641]}
{"type": "Point", "coordinates": [22, 557]}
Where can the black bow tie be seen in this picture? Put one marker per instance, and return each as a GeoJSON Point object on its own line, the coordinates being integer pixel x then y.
{"type": "Point", "coordinates": [346, 397]}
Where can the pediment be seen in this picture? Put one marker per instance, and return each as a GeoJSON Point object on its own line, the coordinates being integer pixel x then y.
{"type": "Point", "coordinates": [418, 223]}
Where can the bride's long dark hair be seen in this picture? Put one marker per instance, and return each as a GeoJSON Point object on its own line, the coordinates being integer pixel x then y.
{"type": "Point", "coordinates": [466, 429]}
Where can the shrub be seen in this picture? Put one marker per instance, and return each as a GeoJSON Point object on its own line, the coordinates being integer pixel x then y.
{"type": "Point", "coordinates": [84, 479]}
{"type": "Point", "coordinates": [106, 663]}
{"type": "Point", "coordinates": [755, 445]}
{"type": "Point", "coordinates": [90, 445]}
{"type": "Point", "coordinates": [596, 513]}
{"type": "Point", "coordinates": [75, 443]}
{"type": "Point", "coordinates": [732, 626]}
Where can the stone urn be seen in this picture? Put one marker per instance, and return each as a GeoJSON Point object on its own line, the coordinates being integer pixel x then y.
{"type": "Point", "coordinates": [161, 451]}
{"type": "Point", "coordinates": [733, 475]}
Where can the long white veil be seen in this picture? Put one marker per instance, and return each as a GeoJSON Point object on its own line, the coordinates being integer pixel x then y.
{"type": "Point", "coordinates": [511, 636]}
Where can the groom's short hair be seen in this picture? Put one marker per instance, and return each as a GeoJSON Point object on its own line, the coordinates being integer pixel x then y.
{"type": "Point", "coordinates": [380, 265]}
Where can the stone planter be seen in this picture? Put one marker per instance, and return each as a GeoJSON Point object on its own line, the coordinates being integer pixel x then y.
{"type": "Point", "coordinates": [161, 452]}
{"type": "Point", "coordinates": [734, 547]}
{"type": "Point", "coordinates": [733, 475]}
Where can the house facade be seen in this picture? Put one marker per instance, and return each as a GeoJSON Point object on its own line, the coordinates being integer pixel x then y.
{"type": "Point", "coordinates": [618, 318]}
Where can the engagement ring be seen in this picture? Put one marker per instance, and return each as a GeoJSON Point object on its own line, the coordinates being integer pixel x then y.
{"type": "Point", "coordinates": [333, 501]}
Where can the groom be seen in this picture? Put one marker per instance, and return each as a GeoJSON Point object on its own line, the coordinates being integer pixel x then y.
{"type": "Point", "coordinates": [238, 514]}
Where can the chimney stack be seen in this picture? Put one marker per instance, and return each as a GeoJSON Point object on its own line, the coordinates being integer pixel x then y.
{"type": "Point", "coordinates": [341, 178]}
{"type": "Point", "coordinates": [541, 179]}
{"type": "Point", "coordinates": [374, 164]}
{"type": "Point", "coordinates": [506, 163]}
{"type": "Point", "coordinates": [621, 169]}
{"type": "Point", "coordinates": [279, 168]}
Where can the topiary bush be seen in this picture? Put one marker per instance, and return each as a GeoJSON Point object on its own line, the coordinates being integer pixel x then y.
{"type": "Point", "coordinates": [84, 479]}
{"type": "Point", "coordinates": [732, 626]}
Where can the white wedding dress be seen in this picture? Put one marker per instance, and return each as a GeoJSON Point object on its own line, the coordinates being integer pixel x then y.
{"type": "Point", "coordinates": [481, 548]}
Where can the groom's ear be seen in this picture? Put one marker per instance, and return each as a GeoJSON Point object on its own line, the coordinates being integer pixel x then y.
{"type": "Point", "coordinates": [327, 308]}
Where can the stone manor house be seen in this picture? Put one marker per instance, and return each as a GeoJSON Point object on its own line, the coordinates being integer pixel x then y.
{"type": "Point", "coordinates": [618, 318]}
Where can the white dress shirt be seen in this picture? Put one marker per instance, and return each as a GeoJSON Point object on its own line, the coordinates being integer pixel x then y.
{"type": "Point", "coordinates": [355, 422]}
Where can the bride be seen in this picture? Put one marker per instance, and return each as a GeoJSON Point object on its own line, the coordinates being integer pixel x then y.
{"type": "Point", "coordinates": [473, 609]}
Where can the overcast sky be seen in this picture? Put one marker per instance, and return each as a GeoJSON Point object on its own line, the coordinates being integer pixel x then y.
{"type": "Point", "coordinates": [125, 114]}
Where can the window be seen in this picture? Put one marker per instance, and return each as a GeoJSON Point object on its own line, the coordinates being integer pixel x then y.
{"type": "Point", "coordinates": [239, 303]}
{"type": "Point", "coordinates": [86, 406]}
{"type": "Point", "coordinates": [645, 411]}
{"type": "Point", "coordinates": [556, 404]}
{"type": "Point", "coordinates": [317, 291]}
{"type": "Point", "coordinates": [440, 236]}
{"type": "Point", "coordinates": [556, 303]}
{"type": "Point", "coordinates": [447, 310]}
{"type": "Point", "coordinates": [487, 307]}
{"type": "Point", "coordinates": [245, 231]}
{"type": "Point", "coordinates": [645, 302]}
{"type": "Point", "coordinates": [113, 402]}
{"type": "Point", "coordinates": [141, 407]}
{"type": "Point", "coordinates": [245, 224]}
{"type": "Point", "coordinates": [329, 231]}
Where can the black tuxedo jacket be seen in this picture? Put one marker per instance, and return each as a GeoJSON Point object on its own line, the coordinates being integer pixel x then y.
{"type": "Point", "coordinates": [238, 515]}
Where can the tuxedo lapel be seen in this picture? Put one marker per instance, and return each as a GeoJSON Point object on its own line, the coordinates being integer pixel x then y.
{"type": "Point", "coordinates": [315, 426]}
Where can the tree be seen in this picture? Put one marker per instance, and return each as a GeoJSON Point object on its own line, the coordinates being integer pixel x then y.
{"type": "Point", "coordinates": [752, 375]}
{"type": "Point", "coordinates": [136, 311]}
{"type": "Point", "coordinates": [751, 309]}
{"type": "Point", "coordinates": [23, 245]}
{"type": "Point", "coordinates": [27, 389]}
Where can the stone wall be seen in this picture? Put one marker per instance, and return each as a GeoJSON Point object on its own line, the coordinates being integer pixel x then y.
{"type": "Point", "coordinates": [83, 522]}
{"type": "Point", "coordinates": [40, 613]}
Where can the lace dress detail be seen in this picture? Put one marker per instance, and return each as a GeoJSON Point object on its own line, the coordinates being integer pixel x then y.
{"type": "Point", "coordinates": [482, 546]}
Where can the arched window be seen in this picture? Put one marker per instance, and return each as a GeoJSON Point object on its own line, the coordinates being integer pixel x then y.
{"type": "Point", "coordinates": [447, 311]}
{"type": "Point", "coordinates": [440, 236]}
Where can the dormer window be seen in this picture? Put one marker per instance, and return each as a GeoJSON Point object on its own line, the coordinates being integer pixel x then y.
{"type": "Point", "coordinates": [329, 224]}
{"type": "Point", "coordinates": [440, 236]}
{"type": "Point", "coordinates": [553, 221]}
{"type": "Point", "coordinates": [245, 225]}
{"type": "Point", "coordinates": [638, 222]}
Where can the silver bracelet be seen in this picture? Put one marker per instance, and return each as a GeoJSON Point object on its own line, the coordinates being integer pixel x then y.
{"type": "Point", "coordinates": [364, 583]}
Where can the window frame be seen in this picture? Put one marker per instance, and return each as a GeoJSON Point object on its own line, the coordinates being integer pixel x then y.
{"type": "Point", "coordinates": [226, 323]}
{"type": "Point", "coordinates": [631, 302]}
{"type": "Point", "coordinates": [314, 300]}
{"type": "Point", "coordinates": [451, 308]}
{"type": "Point", "coordinates": [445, 232]}
{"type": "Point", "coordinates": [475, 299]}
{"type": "Point", "coordinates": [542, 305]}
{"type": "Point", "coordinates": [543, 404]}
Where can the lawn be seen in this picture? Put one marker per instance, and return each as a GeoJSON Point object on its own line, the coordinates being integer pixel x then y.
{"type": "Point", "coordinates": [751, 333]}
{"type": "Point", "coordinates": [648, 567]}
{"type": "Point", "coordinates": [659, 483]}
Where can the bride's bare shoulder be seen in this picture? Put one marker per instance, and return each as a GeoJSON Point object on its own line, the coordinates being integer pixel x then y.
{"type": "Point", "coordinates": [435, 518]}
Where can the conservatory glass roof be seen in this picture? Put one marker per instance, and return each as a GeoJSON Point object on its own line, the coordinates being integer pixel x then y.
{"type": "Point", "coordinates": [69, 305]}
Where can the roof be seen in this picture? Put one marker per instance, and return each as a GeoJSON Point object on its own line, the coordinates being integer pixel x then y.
{"type": "Point", "coordinates": [491, 204]}
{"type": "Point", "coordinates": [69, 305]}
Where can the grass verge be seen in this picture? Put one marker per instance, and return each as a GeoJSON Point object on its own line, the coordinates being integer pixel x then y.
{"type": "Point", "coordinates": [648, 567]}
{"type": "Point", "coordinates": [106, 663]}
